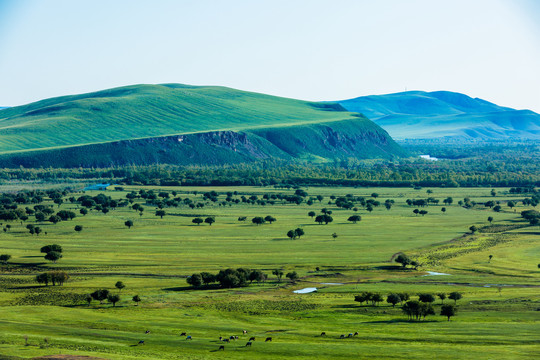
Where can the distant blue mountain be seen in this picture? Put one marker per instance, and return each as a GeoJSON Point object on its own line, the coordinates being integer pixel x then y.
{"type": "Point", "coordinates": [424, 115]}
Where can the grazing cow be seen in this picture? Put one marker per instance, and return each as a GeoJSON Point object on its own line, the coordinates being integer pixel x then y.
{"type": "Point", "coordinates": [350, 335]}
{"type": "Point", "coordinates": [147, 332]}
{"type": "Point", "coordinates": [189, 337]}
{"type": "Point", "coordinates": [268, 339]}
{"type": "Point", "coordinates": [323, 334]}
{"type": "Point", "coordinates": [183, 334]}
{"type": "Point", "coordinates": [221, 348]}
{"type": "Point", "coordinates": [248, 343]}
{"type": "Point", "coordinates": [244, 331]}
{"type": "Point", "coordinates": [141, 342]}
{"type": "Point", "coordinates": [356, 333]}
{"type": "Point", "coordinates": [342, 337]}
{"type": "Point", "coordinates": [226, 340]}
{"type": "Point", "coordinates": [235, 337]}
{"type": "Point", "coordinates": [220, 338]}
{"type": "Point", "coordinates": [231, 337]}
{"type": "Point", "coordinates": [252, 338]}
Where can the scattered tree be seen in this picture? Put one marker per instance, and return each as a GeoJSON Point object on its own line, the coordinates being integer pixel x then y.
{"type": "Point", "coordinates": [129, 224]}
{"type": "Point", "coordinates": [210, 220]}
{"type": "Point", "coordinates": [354, 219]}
{"type": "Point", "coordinates": [393, 299]}
{"type": "Point", "coordinates": [78, 228]}
{"type": "Point", "coordinates": [455, 296]}
{"type": "Point", "coordinates": [448, 310]}
{"type": "Point", "coordinates": [136, 299]}
{"type": "Point", "coordinates": [293, 276]}
{"type": "Point", "coordinates": [119, 285]}
{"type": "Point", "coordinates": [197, 221]}
{"type": "Point", "coordinates": [5, 258]}
{"type": "Point", "coordinates": [113, 299]}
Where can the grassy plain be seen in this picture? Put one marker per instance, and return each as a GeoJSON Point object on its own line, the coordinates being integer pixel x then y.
{"type": "Point", "coordinates": [498, 317]}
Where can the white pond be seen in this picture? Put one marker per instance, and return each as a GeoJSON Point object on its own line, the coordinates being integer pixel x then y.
{"type": "Point", "coordinates": [434, 273]}
{"type": "Point", "coordinates": [305, 290]}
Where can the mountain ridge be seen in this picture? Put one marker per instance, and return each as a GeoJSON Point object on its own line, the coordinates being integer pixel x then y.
{"type": "Point", "coordinates": [419, 114]}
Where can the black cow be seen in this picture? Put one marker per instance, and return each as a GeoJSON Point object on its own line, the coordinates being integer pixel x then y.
{"type": "Point", "coordinates": [183, 334]}
{"type": "Point", "coordinates": [221, 348]}
{"type": "Point", "coordinates": [141, 342]}
{"type": "Point", "coordinates": [248, 343]}
{"type": "Point", "coordinates": [323, 334]}
{"type": "Point", "coordinates": [268, 339]}
{"type": "Point", "coordinates": [252, 338]}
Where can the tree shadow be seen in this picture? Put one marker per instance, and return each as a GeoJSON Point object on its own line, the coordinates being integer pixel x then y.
{"type": "Point", "coordinates": [186, 288]}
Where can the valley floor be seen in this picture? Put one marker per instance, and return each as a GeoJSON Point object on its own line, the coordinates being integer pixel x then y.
{"type": "Point", "coordinates": [498, 316]}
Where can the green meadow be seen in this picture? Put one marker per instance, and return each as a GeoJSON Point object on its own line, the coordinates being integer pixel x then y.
{"type": "Point", "coordinates": [498, 316]}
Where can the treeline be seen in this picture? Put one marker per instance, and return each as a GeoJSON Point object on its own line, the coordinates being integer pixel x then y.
{"type": "Point", "coordinates": [516, 168]}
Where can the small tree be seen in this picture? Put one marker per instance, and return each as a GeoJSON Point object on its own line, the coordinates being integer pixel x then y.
{"type": "Point", "coordinates": [426, 298]}
{"type": "Point", "coordinates": [136, 299]}
{"type": "Point", "coordinates": [129, 224]}
{"type": "Point", "coordinates": [44, 278]}
{"type": "Point", "coordinates": [299, 232]}
{"type": "Point", "coordinates": [334, 236]}
{"type": "Point", "coordinates": [88, 299]}
{"type": "Point", "coordinates": [442, 296]}
{"type": "Point", "coordinates": [473, 229]}
{"type": "Point", "coordinates": [455, 296]}
{"type": "Point", "coordinates": [312, 214]}
{"type": "Point", "coordinates": [195, 280]}
{"type": "Point", "coordinates": [376, 298]}
{"type": "Point", "coordinates": [53, 256]}
{"type": "Point", "coordinates": [448, 310]}
{"type": "Point", "coordinates": [393, 299]}
{"type": "Point", "coordinates": [113, 299]}
{"type": "Point", "coordinates": [278, 274]}
{"type": "Point", "coordinates": [257, 220]}
{"type": "Point", "coordinates": [78, 228]}
{"type": "Point", "coordinates": [293, 276]}
{"type": "Point", "coordinates": [48, 248]}
{"type": "Point", "coordinates": [100, 295]}
{"type": "Point", "coordinates": [354, 219]}
{"type": "Point", "coordinates": [416, 211]}
{"type": "Point", "coordinates": [490, 257]}
{"type": "Point", "coordinates": [55, 219]}
{"type": "Point", "coordinates": [161, 213]}
{"type": "Point", "coordinates": [403, 259]}
{"type": "Point", "coordinates": [443, 209]}
{"type": "Point", "coordinates": [197, 221]}
{"type": "Point", "coordinates": [490, 219]}
{"type": "Point", "coordinates": [270, 219]}
{"type": "Point", "coordinates": [423, 212]}
{"type": "Point", "coordinates": [291, 234]}
{"type": "Point", "coordinates": [119, 285]}
{"type": "Point", "coordinates": [5, 258]}
{"type": "Point", "coordinates": [210, 220]}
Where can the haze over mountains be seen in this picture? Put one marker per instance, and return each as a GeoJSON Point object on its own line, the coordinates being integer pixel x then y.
{"type": "Point", "coordinates": [425, 115]}
{"type": "Point", "coordinates": [181, 124]}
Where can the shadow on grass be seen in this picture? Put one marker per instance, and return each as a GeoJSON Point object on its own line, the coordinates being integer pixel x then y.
{"type": "Point", "coordinates": [186, 288]}
{"type": "Point", "coordinates": [400, 321]}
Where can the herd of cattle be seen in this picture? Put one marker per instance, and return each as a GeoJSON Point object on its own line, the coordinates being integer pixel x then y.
{"type": "Point", "coordinates": [251, 339]}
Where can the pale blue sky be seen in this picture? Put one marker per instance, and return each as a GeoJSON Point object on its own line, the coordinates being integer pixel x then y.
{"type": "Point", "coordinates": [312, 49]}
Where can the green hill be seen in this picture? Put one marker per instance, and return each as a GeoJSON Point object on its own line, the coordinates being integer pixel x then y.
{"type": "Point", "coordinates": [181, 124]}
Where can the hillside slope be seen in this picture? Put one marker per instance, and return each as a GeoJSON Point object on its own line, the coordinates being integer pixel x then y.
{"type": "Point", "coordinates": [417, 114]}
{"type": "Point", "coordinates": [179, 124]}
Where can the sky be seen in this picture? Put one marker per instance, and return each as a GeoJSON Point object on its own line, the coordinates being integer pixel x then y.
{"type": "Point", "coordinates": [305, 49]}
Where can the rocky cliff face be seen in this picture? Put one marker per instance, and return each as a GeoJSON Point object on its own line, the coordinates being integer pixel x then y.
{"type": "Point", "coordinates": [324, 142]}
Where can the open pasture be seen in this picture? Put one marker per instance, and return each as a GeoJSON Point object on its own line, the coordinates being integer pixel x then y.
{"type": "Point", "coordinates": [497, 317]}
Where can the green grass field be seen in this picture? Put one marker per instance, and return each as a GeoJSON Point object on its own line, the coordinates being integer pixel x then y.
{"type": "Point", "coordinates": [497, 318]}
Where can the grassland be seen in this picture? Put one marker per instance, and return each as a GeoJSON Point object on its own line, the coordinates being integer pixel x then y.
{"type": "Point", "coordinates": [497, 317]}
{"type": "Point", "coordinates": [144, 111]}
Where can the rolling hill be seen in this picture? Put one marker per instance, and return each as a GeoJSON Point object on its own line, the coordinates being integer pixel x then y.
{"type": "Point", "coordinates": [182, 124]}
{"type": "Point", "coordinates": [424, 115]}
